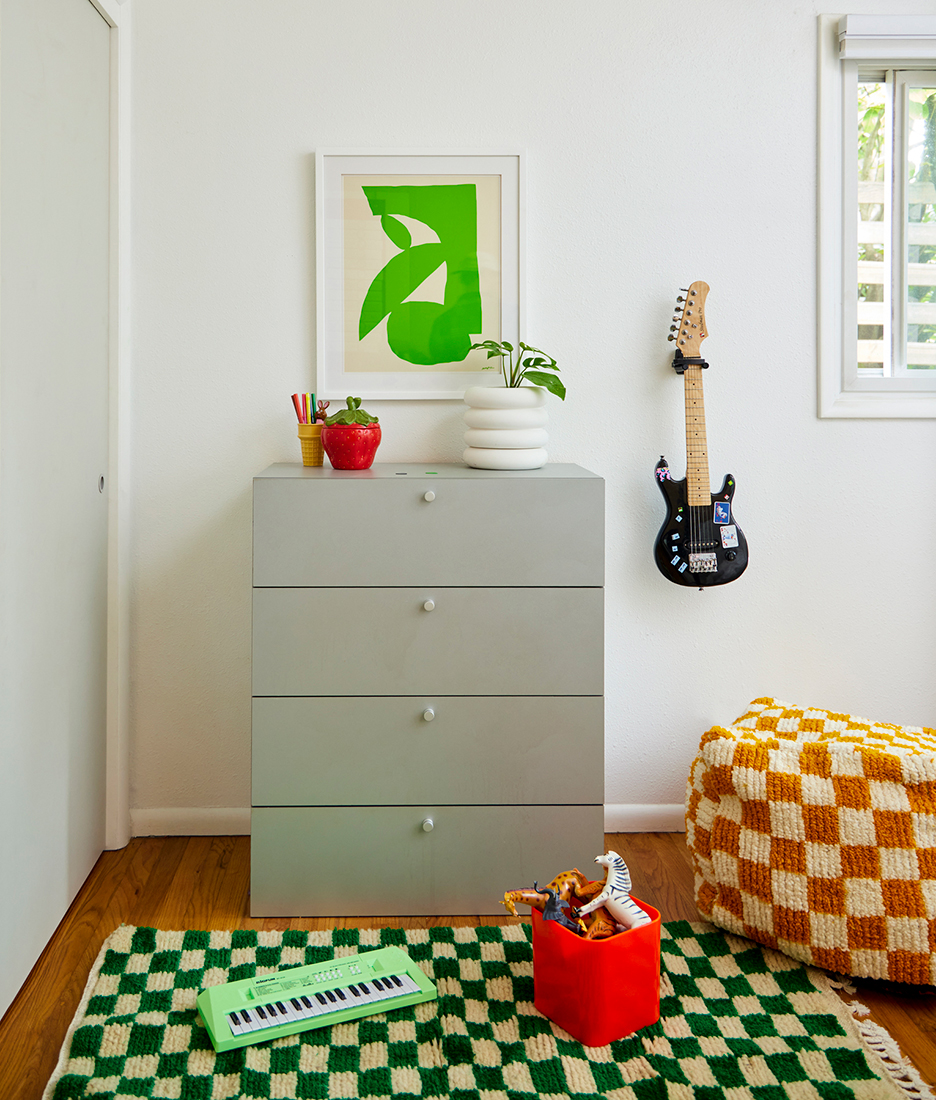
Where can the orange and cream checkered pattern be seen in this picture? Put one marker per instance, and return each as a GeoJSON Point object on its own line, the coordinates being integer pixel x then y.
{"type": "Point", "coordinates": [815, 833]}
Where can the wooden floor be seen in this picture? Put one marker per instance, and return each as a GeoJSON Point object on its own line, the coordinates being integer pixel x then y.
{"type": "Point", "coordinates": [202, 882]}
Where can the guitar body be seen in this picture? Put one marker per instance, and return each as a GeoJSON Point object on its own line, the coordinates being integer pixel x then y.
{"type": "Point", "coordinates": [700, 544]}
{"type": "Point", "coordinates": [692, 548]}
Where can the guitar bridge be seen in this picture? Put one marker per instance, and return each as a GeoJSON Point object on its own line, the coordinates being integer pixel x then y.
{"type": "Point", "coordinates": [703, 563]}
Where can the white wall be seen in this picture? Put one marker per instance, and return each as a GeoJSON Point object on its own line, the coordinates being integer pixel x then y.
{"type": "Point", "coordinates": [664, 142]}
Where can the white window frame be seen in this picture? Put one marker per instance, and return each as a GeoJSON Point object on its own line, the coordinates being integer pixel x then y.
{"type": "Point", "coordinates": [848, 44]}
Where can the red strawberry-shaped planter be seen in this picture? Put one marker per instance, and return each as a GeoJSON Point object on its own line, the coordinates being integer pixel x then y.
{"type": "Point", "coordinates": [351, 446]}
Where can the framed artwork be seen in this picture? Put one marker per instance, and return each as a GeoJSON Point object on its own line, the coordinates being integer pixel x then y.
{"type": "Point", "coordinates": [418, 256]}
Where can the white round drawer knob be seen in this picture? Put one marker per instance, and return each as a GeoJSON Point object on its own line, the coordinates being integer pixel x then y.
{"type": "Point", "coordinates": [429, 605]}
{"type": "Point", "coordinates": [428, 825]}
{"type": "Point", "coordinates": [430, 496]}
{"type": "Point", "coordinates": [428, 714]}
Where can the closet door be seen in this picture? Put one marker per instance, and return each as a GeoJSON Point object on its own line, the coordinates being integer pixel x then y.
{"type": "Point", "coordinates": [54, 366]}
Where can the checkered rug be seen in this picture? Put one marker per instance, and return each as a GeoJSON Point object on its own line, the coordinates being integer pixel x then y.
{"type": "Point", "coordinates": [739, 1022]}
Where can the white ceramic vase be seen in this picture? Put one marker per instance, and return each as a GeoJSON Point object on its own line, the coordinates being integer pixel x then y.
{"type": "Point", "coordinates": [505, 427]}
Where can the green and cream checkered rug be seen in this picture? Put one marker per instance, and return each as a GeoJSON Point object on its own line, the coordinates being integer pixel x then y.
{"type": "Point", "coordinates": [739, 1022]}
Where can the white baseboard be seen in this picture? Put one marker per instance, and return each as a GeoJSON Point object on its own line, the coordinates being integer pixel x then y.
{"type": "Point", "coordinates": [191, 821]}
{"type": "Point", "coordinates": [235, 820]}
{"type": "Point", "coordinates": [634, 818]}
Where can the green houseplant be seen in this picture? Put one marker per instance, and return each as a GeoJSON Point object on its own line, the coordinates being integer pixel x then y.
{"type": "Point", "coordinates": [351, 437]}
{"type": "Point", "coordinates": [506, 424]}
{"type": "Point", "coordinates": [518, 370]}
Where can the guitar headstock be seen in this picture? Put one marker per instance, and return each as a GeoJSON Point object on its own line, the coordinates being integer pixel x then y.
{"type": "Point", "coordinates": [689, 323]}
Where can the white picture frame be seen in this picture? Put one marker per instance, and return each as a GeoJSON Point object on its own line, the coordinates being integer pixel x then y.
{"type": "Point", "coordinates": [370, 350]}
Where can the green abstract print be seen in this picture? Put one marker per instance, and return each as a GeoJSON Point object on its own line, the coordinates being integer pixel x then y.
{"type": "Point", "coordinates": [426, 333]}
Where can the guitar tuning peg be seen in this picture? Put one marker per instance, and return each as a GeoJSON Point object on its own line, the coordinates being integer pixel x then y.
{"type": "Point", "coordinates": [680, 298]}
{"type": "Point", "coordinates": [673, 328]}
{"type": "Point", "coordinates": [671, 338]}
{"type": "Point", "coordinates": [684, 289]}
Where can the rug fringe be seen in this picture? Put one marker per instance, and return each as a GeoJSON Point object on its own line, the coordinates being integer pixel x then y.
{"type": "Point", "coordinates": [903, 1072]}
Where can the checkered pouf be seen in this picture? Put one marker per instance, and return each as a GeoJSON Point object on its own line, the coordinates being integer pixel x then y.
{"type": "Point", "coordinates": [738, 1021]}
{"type": "Point", "coordinates": [815, 833]}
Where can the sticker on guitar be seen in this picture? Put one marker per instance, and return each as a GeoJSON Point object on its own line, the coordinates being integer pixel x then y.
{"type": "Point", "coordinates": [709, 548]}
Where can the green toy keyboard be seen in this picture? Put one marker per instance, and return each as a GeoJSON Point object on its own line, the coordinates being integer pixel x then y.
{"type": "Point", "coordinates": [298, 998]}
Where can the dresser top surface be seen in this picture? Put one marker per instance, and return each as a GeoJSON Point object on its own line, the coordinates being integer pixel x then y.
{"type": "Point", "coordinates": [442, 470]}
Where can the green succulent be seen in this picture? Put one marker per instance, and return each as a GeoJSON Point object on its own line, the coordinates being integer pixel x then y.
{"type": "Point", "coordinates": [353, 414]}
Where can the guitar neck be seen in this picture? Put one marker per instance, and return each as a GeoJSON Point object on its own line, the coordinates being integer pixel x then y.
{"type": "Point", "coordinates": [697, 465]}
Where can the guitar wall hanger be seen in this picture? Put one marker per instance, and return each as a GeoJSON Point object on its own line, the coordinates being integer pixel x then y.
{"type": "Point", "coordinates": [700, 543]}
{"type": "Point", "coordinates": [680, 362]}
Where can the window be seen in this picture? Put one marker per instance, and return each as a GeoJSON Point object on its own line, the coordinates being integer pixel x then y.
{"type": "Point", "coordinates": [877, 205]}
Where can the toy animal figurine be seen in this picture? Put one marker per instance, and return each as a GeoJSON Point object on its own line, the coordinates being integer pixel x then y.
{"type": "Point", "coordinates": [568, 886]}
{"type": "Point", "coordinates": [615, 895]}
{"type": "Point", "coordinates": [553, 911]}
{"type": "Point", "coordinates": [536, 899]}
{"type": "Point", "coordinates": [602, 925]}
{"type": "Point", "coordinates": [573, 883]}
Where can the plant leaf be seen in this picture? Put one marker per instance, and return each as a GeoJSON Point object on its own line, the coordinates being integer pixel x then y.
{"type": "Point", "coordinates": [548, 382]}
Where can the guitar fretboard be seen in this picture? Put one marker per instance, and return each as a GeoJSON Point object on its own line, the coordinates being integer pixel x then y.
{"type": "Point", "coordinates": [697, 464]}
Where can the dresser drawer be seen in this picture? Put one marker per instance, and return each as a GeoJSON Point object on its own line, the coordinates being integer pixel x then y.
{"type": "Point", "coordinates": [378, 861]}
{"type": "Point", "coordinates": [383, 641]}
{"type": "Point", "coordinates": [481, 528]}
{"type": "Point", "coordinates": [384, 752]}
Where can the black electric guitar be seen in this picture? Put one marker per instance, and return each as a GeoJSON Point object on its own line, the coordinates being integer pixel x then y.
{"type": "Point", "coordinates": [700, 543]}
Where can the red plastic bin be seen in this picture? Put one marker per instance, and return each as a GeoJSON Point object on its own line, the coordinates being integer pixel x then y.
{"type": "Point", "coordinates": [598, 990]}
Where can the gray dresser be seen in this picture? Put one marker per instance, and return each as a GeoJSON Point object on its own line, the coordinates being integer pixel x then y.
{"type": "Point", "coordinates": [428, 721]}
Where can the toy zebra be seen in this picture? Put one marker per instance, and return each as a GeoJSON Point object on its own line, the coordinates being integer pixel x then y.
{"type": "Point", "coordinates": [615, 896]}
